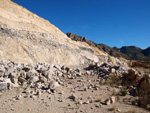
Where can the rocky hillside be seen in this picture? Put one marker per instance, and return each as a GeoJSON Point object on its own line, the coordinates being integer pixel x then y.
{"type": "Point", "coordinates": [128, 52]}
{"type": "Point", "coordinates": [146, 52]}
{"type": "Point", "coordinates": [27, 38]}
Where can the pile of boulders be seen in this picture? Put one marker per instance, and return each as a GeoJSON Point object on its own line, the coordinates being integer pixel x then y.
{"type": "Point", "coordinates": [137, 83]}
{"type": "Point", "coordinates": [36, 78]}
{"type": "Point", "coordinates": [105, 71]}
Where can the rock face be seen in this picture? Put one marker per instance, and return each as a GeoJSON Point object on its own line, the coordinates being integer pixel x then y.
{"type": "Point", "coordinates": [76, 37]}
{"type": "Point", "coordinates": [25, 37]}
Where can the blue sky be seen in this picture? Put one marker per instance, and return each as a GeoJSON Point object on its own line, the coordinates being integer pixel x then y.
{"type": "Point", "coordinates": [112, 22]}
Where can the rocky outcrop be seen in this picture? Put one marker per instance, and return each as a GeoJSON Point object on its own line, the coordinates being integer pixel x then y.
{"type": "Point", "coordinates": [76, 37]}
{"type": "Point", "coordinates": [33, 47]}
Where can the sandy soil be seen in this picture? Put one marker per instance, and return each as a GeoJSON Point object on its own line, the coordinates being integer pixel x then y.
{"type": "Point", "coordinates": [59, 102]}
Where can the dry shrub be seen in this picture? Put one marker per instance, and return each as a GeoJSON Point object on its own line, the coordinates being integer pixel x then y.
{"type": "Point", "coordinates": [113, 80]}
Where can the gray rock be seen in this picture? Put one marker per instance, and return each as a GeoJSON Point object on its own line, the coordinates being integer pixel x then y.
{"type": "Point", "coordinates": [50, 74]}
{"type": "Point", "coordinates": [34, 79]}
{"type": "Point", "coordinates": [29, 75]}
{"type": "Point", "coordinates": [3, 86]}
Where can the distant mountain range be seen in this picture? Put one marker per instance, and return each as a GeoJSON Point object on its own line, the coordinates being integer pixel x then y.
{"type": "Point", "coordinates": [127, 52]}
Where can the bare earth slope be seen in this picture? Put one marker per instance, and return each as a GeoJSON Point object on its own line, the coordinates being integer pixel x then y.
{"type": "Point", "coordinates": [25, 37]}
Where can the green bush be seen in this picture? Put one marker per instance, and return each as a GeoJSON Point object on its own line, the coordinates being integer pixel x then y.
{"type": "Point", "coordinates": [124, 92]}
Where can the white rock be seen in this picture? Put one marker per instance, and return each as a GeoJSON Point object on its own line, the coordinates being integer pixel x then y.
{"type": "Point", "coordinates": [112, 99]}
{"type": "Point", "coordinates": [87, 102]}
{"type": "Point", "coordinates": [80, 102]}
{"type": "Point", "coordinates": [113, 70]}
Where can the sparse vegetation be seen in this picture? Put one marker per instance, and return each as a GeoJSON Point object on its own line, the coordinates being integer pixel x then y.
{"type": "Point", "coordinates": [123, 92]}
{"type": "Point", "coordinates": [113, 80]}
